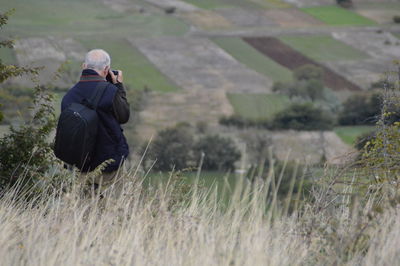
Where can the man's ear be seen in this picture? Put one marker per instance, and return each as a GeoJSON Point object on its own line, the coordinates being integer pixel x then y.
{"type": "Point", "coordinates": [84, 66]}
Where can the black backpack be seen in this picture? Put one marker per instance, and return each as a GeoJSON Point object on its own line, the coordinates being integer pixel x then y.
{"type": "Point", "coordinates": [77, 130]}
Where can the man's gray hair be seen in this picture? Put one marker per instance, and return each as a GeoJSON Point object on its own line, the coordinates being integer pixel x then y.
{"type": "Point", "coordinates": [97, 59]}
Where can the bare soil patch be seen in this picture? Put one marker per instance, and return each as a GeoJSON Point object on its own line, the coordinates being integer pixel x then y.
{"type": "Point", "coordinates": [363, 73]}
{"type": "Point", "coordinates": [164, 110]}
{"type": "Point", "coordinates": [48, 52]}
{"type": "Point", "coordinates": [311, 147]}
{"type": "Point", "coordinates": [290, 17]}
{"type": "Point", "coordinates": [379, 45]}
{"type": "Point", "coordinates": [246, 17]}
{"type": "Point", "coordinates": [292, 59]}
{"type": "Point", "coordinates": [207, 19]}
{"type": "Point", "coordinates": [198, 63]}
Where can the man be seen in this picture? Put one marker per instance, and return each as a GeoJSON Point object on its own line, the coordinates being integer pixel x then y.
{"type": "Point", "coordinates": [112, 110]}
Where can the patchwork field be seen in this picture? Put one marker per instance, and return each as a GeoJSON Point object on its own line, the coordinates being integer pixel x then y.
{"type": "Point", "coordinates": [382, 13]}
{"type": "Point", "coordinates": [380, 45]}
{"type": "Point", "coordinates": [249, 56]}
{"type": "Point", "coordinates": [292, 17]}
{"type": "Point", "coordinates": [197, 63]}
{"type": "Point", "coordinates": [258, 106]}
{"type": "Point", "coordinates": [207, 19]}
{"type": "Point", "coordinates": [292, 59]}
{"type": "Point", "coordinates": [202, 59]}
{"type": "Point", "coordinates": [323, 48]}
{"type": "Point", "coordinates": [59, 18]}
{"type": "Point", "coordinates": [336, 16]}
{"type": "Point", "coordinates": [139, 73]}
{"type": "Point", "coordinates": [247, 17]}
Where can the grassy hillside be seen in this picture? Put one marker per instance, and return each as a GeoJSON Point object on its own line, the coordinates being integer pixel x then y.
{"type": "Point", "coordinates": [258, 106]}
{"type": "Point", "coordinates": [249, 56]}
{"type": "Point", "coordinates": [336, 16]}
{"type": "Point", "coordinates": [323, 48]}
{"type": "Point", "coordinates": [61, 18]}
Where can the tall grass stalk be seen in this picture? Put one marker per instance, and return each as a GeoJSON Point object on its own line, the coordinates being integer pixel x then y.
{"type": "Point", "coordinates": [153, 226]}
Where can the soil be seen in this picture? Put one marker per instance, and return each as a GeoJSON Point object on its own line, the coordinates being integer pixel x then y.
{"type": "Point", "coordinates": [247, 17]}
{"type": "Point", "coordinates": [381, 46]}
{"type": "Point", "coordinates": [206, 19]}
{"type": "Point", "coordinates": [198, 63]}
{"type": "Point", "coordinates": [289, 17]}
{"type": "Point", "coordinates": [292, 59]}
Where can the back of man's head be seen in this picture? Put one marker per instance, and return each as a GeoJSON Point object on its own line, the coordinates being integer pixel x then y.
{"type": "Point", "coordinates": [97, 59]}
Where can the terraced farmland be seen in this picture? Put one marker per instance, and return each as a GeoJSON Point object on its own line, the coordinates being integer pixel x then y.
{"type": "Point", "coordinates": [249, 56]}
{"type": "Point", "coordinates": [203, 59]}
{"type": "Point", "coordinates": [292, 59]}
{"type": "Point", "coordinates": [323, 48]}
{"type": "Point", "coordinates": [336, 16]}
{"type": "Point", "coordinates": [139, 72]}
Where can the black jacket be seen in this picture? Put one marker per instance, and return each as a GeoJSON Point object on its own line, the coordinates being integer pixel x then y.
{"type": "Point", "coordinates": [113, 110]}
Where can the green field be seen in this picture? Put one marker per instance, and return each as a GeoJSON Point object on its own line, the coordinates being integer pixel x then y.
{"type": "Point", "coordinates": [7, 56]}
{"type": "Point", "coordinates": [91, 17]}
{"type": "Point", "coordinates": [337, 16]}
{"type": "Point", "coordinates": [349, 134]}
{"type": "Point", "coordinates": [138, 71]}
{"type": "Point", "coordinates": [323, 48]}
{"type": "Point", "coordinates": [258, 106]}
{"type": "Point", "coordinates": [250, 57]}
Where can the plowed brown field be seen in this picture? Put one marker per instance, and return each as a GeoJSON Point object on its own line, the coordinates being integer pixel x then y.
{"type": "Point", "coordinates": [290, 58]}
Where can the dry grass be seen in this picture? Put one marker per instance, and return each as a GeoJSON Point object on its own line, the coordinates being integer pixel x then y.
{"type": "Point", "coordinates": [167, 226]}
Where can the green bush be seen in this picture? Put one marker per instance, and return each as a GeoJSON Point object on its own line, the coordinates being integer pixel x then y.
{"type": "Point", "coordinates": [25, 152]}
{"type": "Point", "coordinates": [241, 122]}
{"type": "Point", "coordinates": [360, 110]}
{"type": "Point", "coordinates": [307, 84]}
{"type": "Point", "coordinates": [219, 153]}
{"type": "Point", "coordinates": [171, 149]}
{"type": "Point", "coordinates": [396, 19]}
{"type": "Point", "coordinates": [303, 117]}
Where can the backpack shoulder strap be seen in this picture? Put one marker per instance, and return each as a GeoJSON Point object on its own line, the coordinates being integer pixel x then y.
{"type": "Point", "coordinates": [98, 93]}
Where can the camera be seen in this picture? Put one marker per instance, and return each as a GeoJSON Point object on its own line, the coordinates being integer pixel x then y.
{"type": "Point", "coordinates": [108, 78]}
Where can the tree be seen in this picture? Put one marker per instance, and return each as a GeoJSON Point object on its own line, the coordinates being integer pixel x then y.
{"type": "Point", "coordinates": [219, 153]}
{"type": "Point", "coordinates": [303, 117]}
{"type": "Point", "coordinates": [345, 3]}
{"type": "Point", "coordinates": [171, 149]}
{"type": "Point", "coordinates": [307, 83]}
{"type": "Point", "coordinates": [360, 110]}
{"type": "Point", "coordinates": [308, 72]}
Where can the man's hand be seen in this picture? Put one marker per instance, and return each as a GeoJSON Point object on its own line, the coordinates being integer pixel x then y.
{"type": "Point", "coordinates": [116, 79]}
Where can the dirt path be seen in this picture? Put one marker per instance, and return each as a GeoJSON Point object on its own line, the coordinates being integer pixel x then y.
{"type": "Point", "coordinates": [292, 59]}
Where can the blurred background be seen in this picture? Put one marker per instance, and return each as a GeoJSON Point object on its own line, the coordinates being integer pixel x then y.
{"type": "Point", "coordinates": [293, 80]}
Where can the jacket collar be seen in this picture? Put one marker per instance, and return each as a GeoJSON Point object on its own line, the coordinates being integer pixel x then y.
{"type": "Point", "coordinates": [91, 75]}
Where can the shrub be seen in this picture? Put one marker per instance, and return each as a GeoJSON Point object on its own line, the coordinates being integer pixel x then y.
{"type": "Point", "coordinates": [171, 149]}
{"type": "Point", "coordinates": [307, 84]}
{"type": "Point", "coordinates": [345, 3]}
{"type": "Point", "coordinates": [360, 110]}
{"type": "Point", "coordinates": [25, 152]}
{"type": "Point", "coordinates": [308, 72]}
{"type": "Point", "coordinates": [396, 19]}
{"type": "Point", "coordinates": [219, 153]}
{"type": "Point", "coordinates": [303, 117]}
{"type": "Point", "coordinates": [241, 122]}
